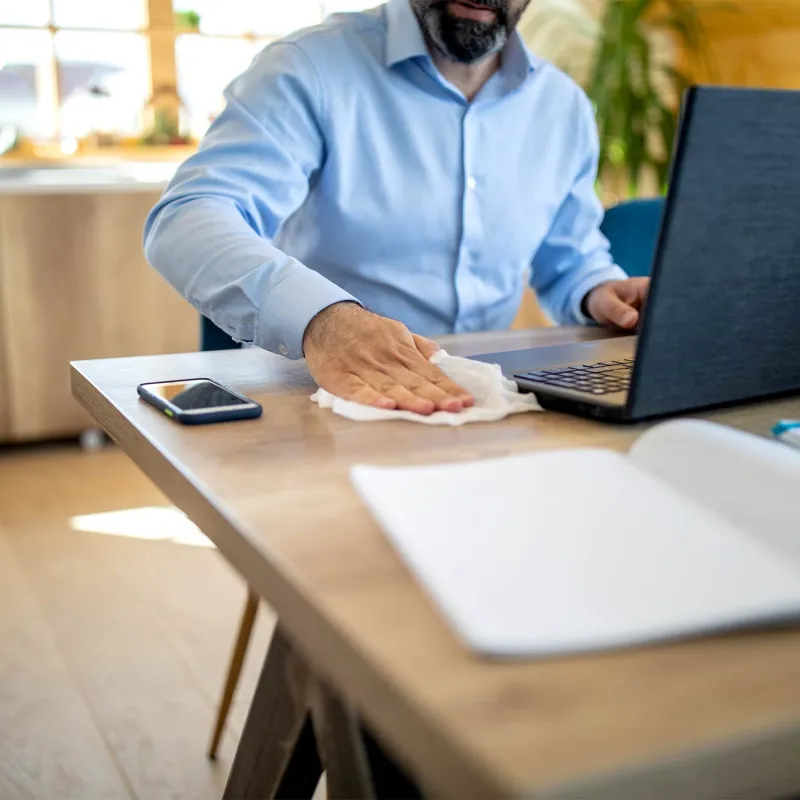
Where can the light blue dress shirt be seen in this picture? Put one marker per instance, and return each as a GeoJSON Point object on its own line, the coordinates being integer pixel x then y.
{"type": "Point", "coordinates": [346, 167]}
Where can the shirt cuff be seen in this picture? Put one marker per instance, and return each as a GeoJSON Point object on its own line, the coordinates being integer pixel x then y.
{"type": "Point", "coordinates": [291, 305]}
{"type": "Point", "coordinates": [592, 281]}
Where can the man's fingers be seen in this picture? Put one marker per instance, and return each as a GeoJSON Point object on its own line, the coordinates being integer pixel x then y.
{"type": "Point", "coordinates": [407, 400]}
{"type": "Point", "coordinates": [360, 392]}
{"type": "Point", "coordinates": [426, 346]}
{"type": "Point", "coordinates": [618, 312]}
{"type": "Point", "coordinates": [388, 386]}
{"type": "Point", "coordinates": [633, 291]}
{"type": "Point", "coordinates": [383, 391]}
{"type": "Point", "coordinates": [420, 386]}
{"type": "Point", "coordinates": [451, 387]}
{"type": "Point", "coordinates": [435, 376]}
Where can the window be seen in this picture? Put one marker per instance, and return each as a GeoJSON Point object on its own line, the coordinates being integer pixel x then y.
{"type": "Point", "coordinates": [103, 80]}
{"type": "Point", "coordinates": [35, 13]}
{"type": "Point", "coordinates": [27, 83]}
{"type": "Point", "coordinates": [205, 65]}
{"type": "Point", "coordinates": [226, 36]}
{"type": "Point", "coordinates": [269, 18]}
{"type": "Point", "coordinates": [129, 15]}
{"type": "Point", "coordinates": [70, 69]}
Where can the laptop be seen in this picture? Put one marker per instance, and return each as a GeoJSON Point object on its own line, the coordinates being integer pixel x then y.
{"type": "Point", "coordinates": [722, 322]}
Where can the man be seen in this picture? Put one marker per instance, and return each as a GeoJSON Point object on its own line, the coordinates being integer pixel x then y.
{"type": "Point", "coordinates": [415, 159]}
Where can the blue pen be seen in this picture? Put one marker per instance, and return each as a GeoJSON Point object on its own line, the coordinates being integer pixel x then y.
{"type": "Point", "coordinates": [788, 430]}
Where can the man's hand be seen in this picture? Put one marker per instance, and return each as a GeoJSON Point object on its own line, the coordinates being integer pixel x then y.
{"type": "Point", "coordinates": [618, 303]}
{"type": "Point", "coordinates": [358, 355]}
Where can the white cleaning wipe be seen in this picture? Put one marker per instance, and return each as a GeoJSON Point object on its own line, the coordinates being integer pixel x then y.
{"type": "Point", "coordinates": [496, 397]}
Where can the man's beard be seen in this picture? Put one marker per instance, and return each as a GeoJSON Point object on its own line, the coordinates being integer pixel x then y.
{"type": "Point", "coordinates": [466, 40]}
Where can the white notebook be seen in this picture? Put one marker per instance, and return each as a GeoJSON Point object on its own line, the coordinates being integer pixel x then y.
{"type": "Point", "coordinates": [696, 530]}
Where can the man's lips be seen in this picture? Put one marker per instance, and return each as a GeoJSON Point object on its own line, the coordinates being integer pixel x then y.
{"type": "Point", "coordinates": [473, 11]}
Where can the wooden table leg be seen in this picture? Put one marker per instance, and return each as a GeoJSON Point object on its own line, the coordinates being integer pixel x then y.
{"type": "Point", "coordinates": [275, 725]}
{"type": "Point", "coordinates": [294, 717]}
{"type": "Point", "coordinates": [234, 669]}
{"type": "Point", "coordinates": [340, 745]}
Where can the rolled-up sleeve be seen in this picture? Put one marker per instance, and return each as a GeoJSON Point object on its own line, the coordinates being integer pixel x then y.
{"type": "Point", "coordinates": [211, 234]}
{"type": "Point", "coordinates": [575, 257]}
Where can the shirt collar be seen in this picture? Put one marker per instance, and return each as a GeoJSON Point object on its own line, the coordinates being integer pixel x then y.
{"type": "Point", "coordinates": [518, 59]}
{"type": "Point", "coordinates": [404, 41]}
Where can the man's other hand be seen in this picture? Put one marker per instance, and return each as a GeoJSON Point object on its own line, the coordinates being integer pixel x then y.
{"type": "Point", "coordinates": [618, 303]}
{"type": "Point", "coordinates": [358, 355]}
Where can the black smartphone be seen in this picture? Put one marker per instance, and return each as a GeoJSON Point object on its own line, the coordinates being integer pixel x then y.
{"type": "Point", "coordinates": [198, 401]}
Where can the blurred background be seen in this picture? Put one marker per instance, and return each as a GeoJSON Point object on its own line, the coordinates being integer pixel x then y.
{"type": "Point", "coordinates": [78, 76]}
{"type": "Point", "coordinates": [99, 102]}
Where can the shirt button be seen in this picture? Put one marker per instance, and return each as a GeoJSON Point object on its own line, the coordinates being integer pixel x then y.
{"type": "Point", "coordinates": [283, 349]}
{"type": "Point", "coordinates": [471, 182]}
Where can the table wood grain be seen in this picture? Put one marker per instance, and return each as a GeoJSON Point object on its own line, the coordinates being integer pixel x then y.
{"type": "Point", "coordinates": [706, 718]}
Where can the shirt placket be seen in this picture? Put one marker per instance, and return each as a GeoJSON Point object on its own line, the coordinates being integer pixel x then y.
{"type": "Point", "coordinates": [470, 246]}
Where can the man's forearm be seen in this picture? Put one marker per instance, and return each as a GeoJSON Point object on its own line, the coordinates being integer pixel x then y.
{"type": "Point", "coordinates": [204, 247]}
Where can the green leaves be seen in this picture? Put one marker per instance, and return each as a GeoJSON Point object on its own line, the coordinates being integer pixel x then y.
{"type": "Point", "coordinates": [635, 94]}
{"type": "Point", "coordinates": [633, 78]}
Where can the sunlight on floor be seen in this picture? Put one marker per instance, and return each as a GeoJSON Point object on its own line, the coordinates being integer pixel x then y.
{"type": "Point", "coordinates": [153, 523]}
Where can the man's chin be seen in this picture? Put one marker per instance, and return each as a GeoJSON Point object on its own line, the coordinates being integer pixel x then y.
{"type": "Point", "coordinates": [465, 54]}
{"type": "Point", "coordinates": [463, 40]}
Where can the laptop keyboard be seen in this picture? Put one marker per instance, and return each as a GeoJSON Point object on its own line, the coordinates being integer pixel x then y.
{"type": "Point", "coordinates": [602, 377]}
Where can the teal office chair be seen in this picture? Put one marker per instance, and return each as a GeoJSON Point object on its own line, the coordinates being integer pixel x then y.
{"type": "Point", "coordinates": [632, 230]}
{"type": "Point", "coordinates": [214, 338]}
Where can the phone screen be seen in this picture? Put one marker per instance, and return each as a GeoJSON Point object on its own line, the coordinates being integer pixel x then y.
{"type": "Point", "coordinates": [196, 395]}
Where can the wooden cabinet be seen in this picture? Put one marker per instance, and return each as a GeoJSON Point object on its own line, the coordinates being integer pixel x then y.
{"type": "Point", "coordinates": [74, 284]}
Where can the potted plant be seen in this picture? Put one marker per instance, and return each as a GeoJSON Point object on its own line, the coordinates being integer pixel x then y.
{"type": "Point", "coordinates": [626, 56]}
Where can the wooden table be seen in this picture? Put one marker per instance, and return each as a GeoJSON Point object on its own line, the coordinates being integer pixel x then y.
{"type": "Point", "coordinates": [718, 717]}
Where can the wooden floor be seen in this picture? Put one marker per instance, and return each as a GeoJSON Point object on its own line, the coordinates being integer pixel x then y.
{"type": "Point", "coordinates": [112, 647]}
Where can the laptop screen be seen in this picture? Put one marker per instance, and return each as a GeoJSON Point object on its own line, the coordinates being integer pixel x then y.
{"type": "Point", "coordinates": [723, 321]}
